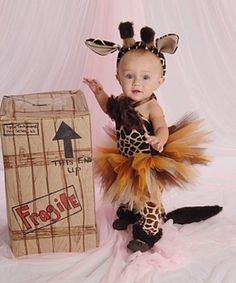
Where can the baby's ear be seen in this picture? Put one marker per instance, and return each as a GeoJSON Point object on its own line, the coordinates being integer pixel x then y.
{"type": "Point", "coordinates": [117, 77]}
{"type": "Point", "coordinates": [162, 80]}
{"type": "Point", "coordinates": [159, 82]}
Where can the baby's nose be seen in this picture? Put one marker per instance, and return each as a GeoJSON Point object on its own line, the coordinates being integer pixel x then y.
{"type": "Point", "coordinates": [136, 82]}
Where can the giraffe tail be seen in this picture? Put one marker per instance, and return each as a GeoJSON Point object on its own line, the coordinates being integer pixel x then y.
{"type": "Point", "coordinates": [185, 215]}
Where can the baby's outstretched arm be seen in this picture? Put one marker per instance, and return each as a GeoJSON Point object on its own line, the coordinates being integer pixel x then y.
{"type": "Point", "coordinates": [99, 92]}
{"type": "Point", "coordinates": [161, 132]}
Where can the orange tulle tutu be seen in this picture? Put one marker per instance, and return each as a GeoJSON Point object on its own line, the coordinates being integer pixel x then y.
{"type": "Point", "coordinates": [137, 179]}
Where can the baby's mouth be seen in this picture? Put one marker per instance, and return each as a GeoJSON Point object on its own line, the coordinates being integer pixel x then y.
{"type": "Point", "coordinates": [136, 91]}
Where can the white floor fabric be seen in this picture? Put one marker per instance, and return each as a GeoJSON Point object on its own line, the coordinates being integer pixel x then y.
{"type": "Point", "coordinates": [199, 252]}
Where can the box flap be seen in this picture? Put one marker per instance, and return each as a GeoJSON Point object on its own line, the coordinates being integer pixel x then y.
{"type": "Point", "coordinates": [44, 105]}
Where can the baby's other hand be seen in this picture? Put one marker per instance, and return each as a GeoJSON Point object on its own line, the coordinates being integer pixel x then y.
{"type": "Point", "coordinates": [94, 85]}
{"type": "Point", "coordinates": [155, 142]}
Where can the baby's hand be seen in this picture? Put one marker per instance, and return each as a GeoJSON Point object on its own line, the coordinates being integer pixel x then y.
{"type": "Point", "coordinates": [94, 85]}
{"type": "Point", "coordinates": [155, 142]}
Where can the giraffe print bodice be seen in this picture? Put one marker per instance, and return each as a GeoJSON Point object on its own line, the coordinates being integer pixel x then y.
{"type": "Point", "coordinates": [130, 142]}
{"type": "Point", "coordinates": [130, 139]}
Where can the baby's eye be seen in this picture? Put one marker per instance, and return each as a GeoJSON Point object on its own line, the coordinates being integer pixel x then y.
{"type": "Point", "coordinates": [146, 77]}
{"type": "Point", "coordinates": [128, 76]}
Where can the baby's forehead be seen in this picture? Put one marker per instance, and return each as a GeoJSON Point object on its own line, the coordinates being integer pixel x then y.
{"type": "Point", "coordinates": [140, 53]}
{"type": "Point", "coordinates": [136, 57]}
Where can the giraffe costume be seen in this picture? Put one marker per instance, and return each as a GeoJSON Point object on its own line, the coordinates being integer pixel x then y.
{"type": "Point", "coordinates": [133, 175]}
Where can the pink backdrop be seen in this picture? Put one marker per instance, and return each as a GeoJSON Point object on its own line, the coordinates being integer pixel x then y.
{"type": "Point", "coordinates": [42, 49]}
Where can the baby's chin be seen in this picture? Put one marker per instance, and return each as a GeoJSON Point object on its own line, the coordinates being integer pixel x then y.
{"type": "Point", "coordinates": [137, 95]}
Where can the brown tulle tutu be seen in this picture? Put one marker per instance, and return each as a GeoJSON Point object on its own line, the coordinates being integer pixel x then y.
{"type": "Point", "coordinates": [137, 179]}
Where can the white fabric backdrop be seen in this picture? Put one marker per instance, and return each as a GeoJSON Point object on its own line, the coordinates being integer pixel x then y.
{"type": "Point", "coordinates": [42, 49]}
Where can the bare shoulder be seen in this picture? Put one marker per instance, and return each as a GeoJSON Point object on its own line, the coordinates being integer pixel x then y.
{"type": "Point", "coordinates": [155, 110]}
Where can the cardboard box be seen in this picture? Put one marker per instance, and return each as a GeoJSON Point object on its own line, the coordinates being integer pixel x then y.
{"type": "Point", "coordinates": [47, 155]}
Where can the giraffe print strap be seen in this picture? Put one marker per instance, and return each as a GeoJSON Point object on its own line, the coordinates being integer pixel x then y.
{"type": "Point", "coordinates": [143, 101]}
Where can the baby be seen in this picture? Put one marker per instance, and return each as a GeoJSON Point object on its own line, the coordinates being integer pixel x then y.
{"type": "Point", "coordinates": [149, 155]}
{"type": "Point", "coordinates": [139, 73]}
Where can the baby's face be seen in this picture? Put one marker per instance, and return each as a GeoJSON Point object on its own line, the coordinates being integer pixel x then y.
{"type": "Point", "coordinates": [139, 74]}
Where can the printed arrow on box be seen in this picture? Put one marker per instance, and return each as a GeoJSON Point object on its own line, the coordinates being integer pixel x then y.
{"type": "Point", "coordinates": [66, 134]}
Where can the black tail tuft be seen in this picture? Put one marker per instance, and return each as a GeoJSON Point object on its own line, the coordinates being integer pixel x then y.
{"type": "Point", "coordinates": [185, 215]}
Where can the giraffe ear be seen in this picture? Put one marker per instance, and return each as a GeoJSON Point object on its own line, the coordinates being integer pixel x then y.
{"type": "Point", "coordinates": [167, 43]}
{"type": "Point", "coordinates": [102, 47]}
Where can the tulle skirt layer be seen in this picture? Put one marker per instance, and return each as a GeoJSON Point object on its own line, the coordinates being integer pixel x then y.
{"type": "Point", "coordinates": [140, 178]}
